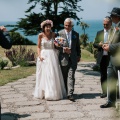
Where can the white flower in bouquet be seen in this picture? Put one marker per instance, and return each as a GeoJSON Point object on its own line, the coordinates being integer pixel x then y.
{"type": "Point", "coordinates": [60, 41]}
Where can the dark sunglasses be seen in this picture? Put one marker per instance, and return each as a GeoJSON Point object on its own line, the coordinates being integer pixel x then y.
{"type": "Point", "coordinates": [113, 16]}
{"type": "Point", "coordinates": [68, 25]}
{"type": "Point", "coordinates": [106, 24]}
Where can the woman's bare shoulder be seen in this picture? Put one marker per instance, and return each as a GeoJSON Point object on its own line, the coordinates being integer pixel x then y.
{"type": "Point", "coordinates": [41, 35]}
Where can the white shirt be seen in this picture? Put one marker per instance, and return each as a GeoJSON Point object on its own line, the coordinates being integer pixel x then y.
{"type": "Point", "coordinates": [68, 34]}
{"type": "Point", "coordinates": [106, 36]}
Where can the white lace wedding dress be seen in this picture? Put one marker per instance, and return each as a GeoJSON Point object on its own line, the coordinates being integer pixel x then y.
{"type": "Point", "coordinates": [49, 79]}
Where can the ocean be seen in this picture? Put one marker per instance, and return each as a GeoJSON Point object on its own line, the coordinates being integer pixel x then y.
{"type": "Point", "coordinates": [94, 26]}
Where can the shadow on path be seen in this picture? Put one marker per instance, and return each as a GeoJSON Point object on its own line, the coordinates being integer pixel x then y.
{"type": "Point", "coordinates": [12, 116]}
{"type": "Point", "coordinates": [86, 95]}
{"type": "Point", "coordinates": [88, 72]}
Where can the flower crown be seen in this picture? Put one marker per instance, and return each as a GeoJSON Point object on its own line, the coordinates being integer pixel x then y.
{"type": "Point", "coordinates": [46, 22]}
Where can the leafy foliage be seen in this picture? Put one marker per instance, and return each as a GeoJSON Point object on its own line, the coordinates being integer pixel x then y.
{"type": "Point", "coordinates": [84, 36]}
{"type": "Point", "coordinates": [90, 47]}
{"type": "Point", "coordinates": [3, 63]}
{"type": "Point", "coordinates": [20, 55]}
{"type": "Point", "coordinates": [17, 39]}
{"type": "Point", "coordinates": [84, 26]}
{"type": "Point", "coordinates": [84, 39]}
{"type": "Point", "coordinates": [55, 10]}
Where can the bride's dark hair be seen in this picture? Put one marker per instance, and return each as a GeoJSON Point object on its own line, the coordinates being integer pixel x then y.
{"type": "Point", "coordinates": [43, 28]}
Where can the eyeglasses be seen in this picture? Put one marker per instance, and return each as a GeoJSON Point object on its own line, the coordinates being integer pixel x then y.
{"type": "Point", "coordinates": [68, 25]}
{"type": "Point", "coordinates": [106, 24]}
{"type": "Point", "coordinates": [113, 16]}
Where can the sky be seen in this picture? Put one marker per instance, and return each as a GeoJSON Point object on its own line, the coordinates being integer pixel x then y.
{"type": "Point", "coordinates": [13, 10]}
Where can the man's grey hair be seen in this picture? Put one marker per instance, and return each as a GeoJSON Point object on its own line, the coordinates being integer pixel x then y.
{"type": "Point", "coordinates": [69, 20]}
{"type": "Point", "coordinates": [108, 18]}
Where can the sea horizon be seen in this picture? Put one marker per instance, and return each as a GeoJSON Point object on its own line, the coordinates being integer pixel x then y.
{"type": "Point", "coordinates": [94, 26]}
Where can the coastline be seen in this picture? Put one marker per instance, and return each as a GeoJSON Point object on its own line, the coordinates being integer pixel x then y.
{"type": "Point", "coordinates": [94, 26]}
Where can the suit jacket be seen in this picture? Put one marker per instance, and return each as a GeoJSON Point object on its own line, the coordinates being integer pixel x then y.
{"type": "Point", "coordinates": [100, 38]}
{"type": "Point", "coordinates": [114, 48]}
{"type": "Point", "coordinates": [75, 49]}
{"type": "Point", "coordinates": [5, 40]}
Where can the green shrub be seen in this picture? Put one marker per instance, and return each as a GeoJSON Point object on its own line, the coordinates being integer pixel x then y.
{"type": "Point", "coordinates": [89, 47]}
{"type": "Point", "coordinates": [20, 55]}
{"type": "Point", "coordinates": [3, 63]}
{"type": "Point", "coordinates": [18, 39]}
{"type": "Point", "coordinates": [83, 39]}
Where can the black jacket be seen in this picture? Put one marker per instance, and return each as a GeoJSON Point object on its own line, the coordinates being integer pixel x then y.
{"type": "Point", "coordinates": [5, 40]}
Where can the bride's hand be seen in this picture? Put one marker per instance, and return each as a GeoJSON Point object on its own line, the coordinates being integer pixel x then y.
{"type": "Point", "coordinates": [56, 44]}
{"type": "Point", "coordinates": [41, 58]}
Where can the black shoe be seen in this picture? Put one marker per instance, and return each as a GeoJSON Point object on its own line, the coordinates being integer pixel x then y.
{"type": "Point", "coordinates": [71, 98]}
{"type": "Point", "coordinates": [103, 95]}
{"type": "Point", "coordinates": [107, 105]}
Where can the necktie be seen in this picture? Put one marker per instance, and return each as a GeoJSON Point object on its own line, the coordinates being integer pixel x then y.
{"type": "Point", "coordinates": [105, 41]}
{"type": "Point", "coordinates": [68, 38]}
{"type": "Point", "coordinates": [106, 37]}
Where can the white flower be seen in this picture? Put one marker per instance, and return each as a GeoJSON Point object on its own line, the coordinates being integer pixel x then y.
{"type": "Point", "coordinates": [46, 22]}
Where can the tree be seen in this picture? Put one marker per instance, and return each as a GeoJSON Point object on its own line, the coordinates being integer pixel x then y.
{"type": "Point", "coordinates": [56, 10]}
{"type": "Point", "coordinates": [84, 26]}
{"type": "Point", "coordinates": [84, 36]}
{"type": "Point", "coordinates": [18, 39]}
{"type": "Point", "coordinates": [83, 39]}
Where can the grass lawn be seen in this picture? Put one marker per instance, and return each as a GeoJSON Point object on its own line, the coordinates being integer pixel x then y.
{"type": "Point", "coordinates": [7, 76]}
{"type": "Point", "coordinates": [86, 56]}
{"type": "Point", "coordinates": [15, 74]}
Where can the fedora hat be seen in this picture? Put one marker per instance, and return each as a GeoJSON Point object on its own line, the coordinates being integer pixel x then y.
{"type": "Point", "coordinates": [115, 11]}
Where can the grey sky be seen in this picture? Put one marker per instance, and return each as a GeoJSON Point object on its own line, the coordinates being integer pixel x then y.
{"type": "Point", "coordinates": [97, 9]}
{"type": "Point", "coordinates": [12, 10]}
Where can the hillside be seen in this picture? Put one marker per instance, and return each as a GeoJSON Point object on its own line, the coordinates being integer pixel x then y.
{"type": "Point", "coordinates": [86, 55]}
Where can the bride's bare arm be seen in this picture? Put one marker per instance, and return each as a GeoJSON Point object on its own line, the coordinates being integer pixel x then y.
{"type": "Point", "coordinates": [39, 46]}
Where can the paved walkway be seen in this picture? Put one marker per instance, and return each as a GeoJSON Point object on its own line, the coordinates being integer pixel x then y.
{"type": "Point", "coordinates": [18, 103]}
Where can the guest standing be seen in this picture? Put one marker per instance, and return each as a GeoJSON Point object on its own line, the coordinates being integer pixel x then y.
{"type": "Point", "coordinates": [102, 37]}
{"type": "Point", "coordinates": [114, 49]}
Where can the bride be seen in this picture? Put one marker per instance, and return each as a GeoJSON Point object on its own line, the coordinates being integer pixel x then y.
{"type": "Point", "coordinates": [49, 79]}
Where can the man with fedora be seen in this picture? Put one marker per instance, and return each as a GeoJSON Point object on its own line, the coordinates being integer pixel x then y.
{"type": "Point", "coordinates": [114, 65]}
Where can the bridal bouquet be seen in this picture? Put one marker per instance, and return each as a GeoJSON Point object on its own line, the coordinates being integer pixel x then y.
{"type": "Point", "coordinates": [60, 41]}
